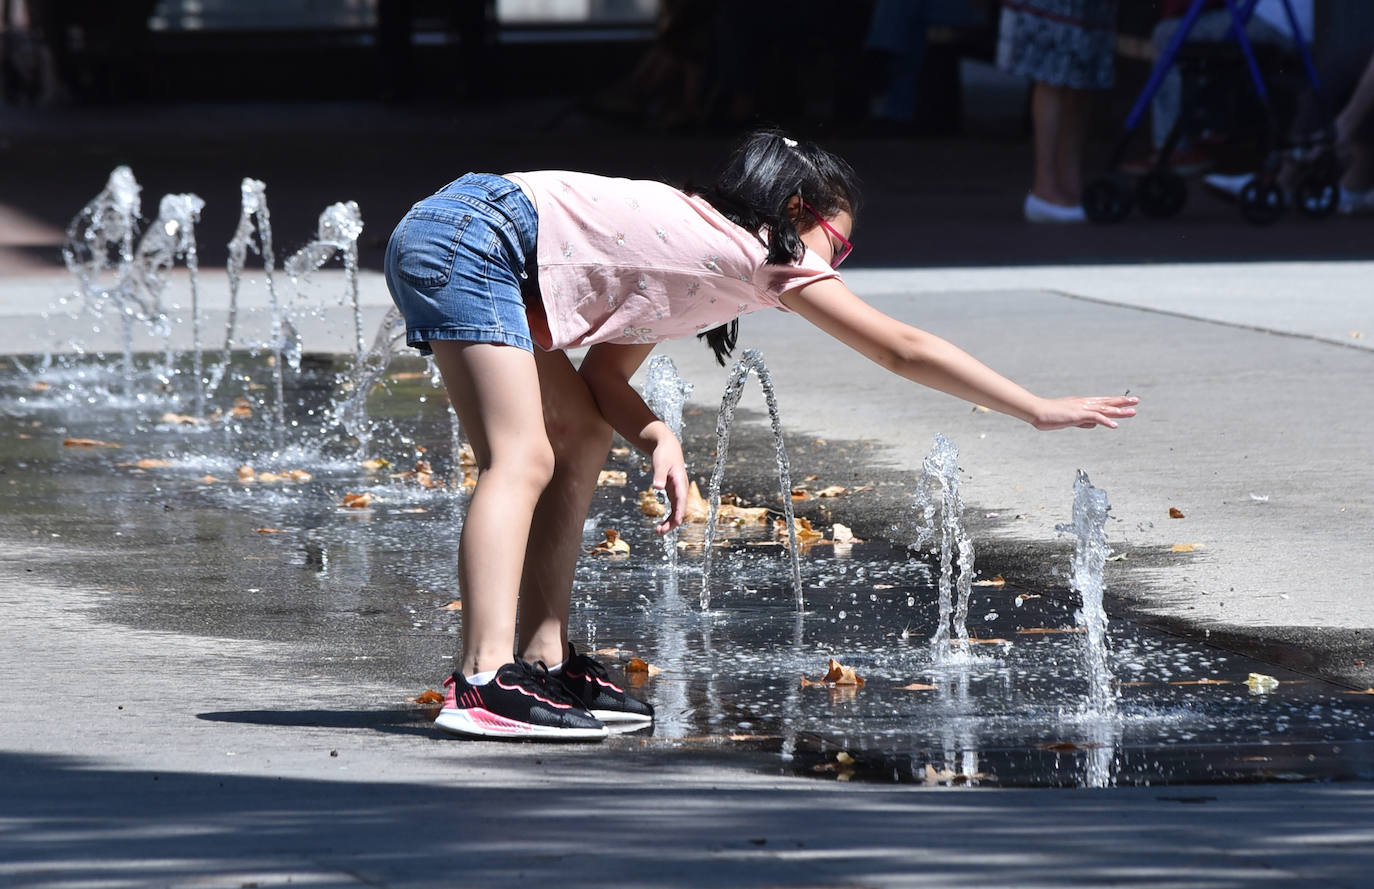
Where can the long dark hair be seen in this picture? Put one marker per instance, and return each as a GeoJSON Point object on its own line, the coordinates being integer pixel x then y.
{"type": "Point", "coordinates": [763, 175]}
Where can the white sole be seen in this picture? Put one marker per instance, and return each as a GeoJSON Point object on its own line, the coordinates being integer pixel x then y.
{"type": "Point", "coordinates": [620, 717]}
{"type": "Point", "coordinates": [474, 723]}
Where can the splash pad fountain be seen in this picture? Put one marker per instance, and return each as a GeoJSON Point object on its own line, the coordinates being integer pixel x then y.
{"type": "Point", "coordinates": [349, 588]}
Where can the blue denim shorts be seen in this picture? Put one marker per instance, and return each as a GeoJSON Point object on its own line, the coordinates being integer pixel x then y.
{"type": "Point", "coordinates": [456, 262]}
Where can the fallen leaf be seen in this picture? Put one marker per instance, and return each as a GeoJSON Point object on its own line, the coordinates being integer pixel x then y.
{"type": "Point", "coordinates": [1185, 547]}
{"type": "Point", "coordinates": [698, 510]}
{"type": "Point", "coordinates": [916, 686]}
{"type": "Point", "coordinates": [243, 408]}
{"type": "Point", "coordinates": [638, 672]}
{"type": "Point", "coordinates": [246, 473]}
{"type": "Point", "coordinates": [39, 386]}
{"type": "Point", "coordinates": [269, 530]}
{"type": "Point", "coordinates": [1045, 631]}
{"type": "Point", "coordinates": [182, 419]}
{"type": "Point", "coordinates": [428, 696]}
{"type": "Point", "coordinates": [839, 674]}
{"type": "Point", "coordinates": [831, 491]}
{"type": "Point", "coordinates": [88, 443]}
{"type": "Point", "coordinates": [208, 480]}
{"type": "Point", "coordinates": [356, 501]}
{"type": "Point", "coordinates": [615, 477]}
{"type": "Point", "coordinates": [455, 605]}
{"type": "Point", "coordinates": [149, 464]}
{"type": "Point", "coordinates": [1261, 684]}
{"type": "Point", "coordinates": [613, 545]}
{"type": "Point", "coordinates": [801, 494]}
{"type": "Point", "coordinates": [998, 581]}
{"type": "Point", "coordinates": [376, 464]}
{"type": "Point", "coordinates": [805, 533]}
{"type": "Point", "coordinates": [807, 683]}
{"type": "Point", "coordinates": [298, 475]}
{"type": "Point", "coordinates": [268, 478]}
{"type": "Point", "coordinates": [1175, 512]}
{"type": "Point", "coordinates": [1367, 691]}
{"type": "Point", "coordinates": [842, 534]}
{"type": "Point", "coordinates": [650, 506]}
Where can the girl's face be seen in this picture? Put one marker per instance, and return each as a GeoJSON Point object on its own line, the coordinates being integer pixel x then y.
{"type": "Point", "coordinates": [824, 243]}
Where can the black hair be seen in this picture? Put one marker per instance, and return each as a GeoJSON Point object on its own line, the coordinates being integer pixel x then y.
{"type": "Point", "coordinates": [754, 189]}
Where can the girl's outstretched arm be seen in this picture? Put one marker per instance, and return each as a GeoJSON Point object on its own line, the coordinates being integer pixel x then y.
{"type": "Point", "coordinates": [607, 368]}
{"type": "Point", "coordinates": [925, 358]}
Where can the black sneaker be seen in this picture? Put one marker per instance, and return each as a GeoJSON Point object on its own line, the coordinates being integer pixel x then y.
{"type": "Point", "coordinates": [587, 680]}
{"type": "Point", "coordinates": [522, 701]}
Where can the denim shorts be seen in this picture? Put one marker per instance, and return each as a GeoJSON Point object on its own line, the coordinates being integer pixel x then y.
{"type": "Point", "coordinates": [456, 261]}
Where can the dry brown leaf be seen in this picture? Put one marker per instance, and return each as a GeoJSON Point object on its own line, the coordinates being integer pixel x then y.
{"type": "Point", "coordinates": [613, 545]}
{"type": "Point", "coordinates": [998, 581]}
{"type": "Point", "coordinates": [839, 674]}
{"type": "Point", "coordinates": [612, 477]}
{"type": "Point", "coordinates": [807, 683]}
{"type": "Point", "coordinates": [916, 686]}
{"type": "Point", "coordinates": [269, 530]}
{"type": "Point", "coordinates": [246, 473]}
{"type": "Point", "coordinates": [243, 408]}
{"type": "Point", "coordinates": [831, 491]}
{"type": "Point", "coordinates": [376, 464]}
{"type": "Point", "coordinates": [298, 475]}
{"type": "Point", "coordinates": [801, 494]}
{"type": "Point", "coordinates": [649, 505]}
{"type": "Point", "coordinates": [805, 533]}
{"type": "Point", "coordinates": [1175, 512]}
{"type": "Point", "coordinates": [455, 605]}
{"type": "Point", "coordinates": [638, 672]}
{"type": "Point", "coordinates": [39, 386]}
{"type": "Point", "coordinates": [88, 443]}
{"type": "Point", "coordinates": [182, 419]}
{"type": "Point", "coordinates": [268, 478]}
{"type": "Point", "coordinates": [843, 534]}
{"type": "Point", "coordinates": [208, 480]}
{"type": "Point", "coordinates": [1045, 631]}
{"type": "Point", "coordinates": [356, 501]}
{"type": "Point", "coordinates": [149, 464]}
{"type": "Point", "coordinates": [1185, 547]}
{"type": "Point", "coordinates": [428, 696]}
{"type": "Point", "coordinates": [1367, 691]}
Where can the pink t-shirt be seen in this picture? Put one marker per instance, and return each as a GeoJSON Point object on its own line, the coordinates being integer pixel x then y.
{"type": "Point", "coordinates": [637, 261]}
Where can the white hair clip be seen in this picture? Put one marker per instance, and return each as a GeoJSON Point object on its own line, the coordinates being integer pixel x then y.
{"type": "Point", "coordinates": [790, 143]}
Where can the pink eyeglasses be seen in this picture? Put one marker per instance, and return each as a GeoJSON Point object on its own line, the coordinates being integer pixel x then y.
{"type": "Point", "coordinates": [845, 247]}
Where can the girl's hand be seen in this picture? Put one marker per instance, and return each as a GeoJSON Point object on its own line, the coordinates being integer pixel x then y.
{"type": "Point", "coordinates": [1061, 413]}
{"type": "Point", "coordinates": [670, 476]}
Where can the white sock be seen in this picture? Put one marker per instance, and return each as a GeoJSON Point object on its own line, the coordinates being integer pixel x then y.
{"type": "Point", "coordinates": [481, 678]}
{"type": "Point", "coordinates": [557, 668]}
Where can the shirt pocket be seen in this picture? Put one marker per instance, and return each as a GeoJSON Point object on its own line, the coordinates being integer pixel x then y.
{"type": "Point", "coordinates": [428, 244]}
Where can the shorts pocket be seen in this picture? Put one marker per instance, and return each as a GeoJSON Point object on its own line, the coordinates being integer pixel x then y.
{"type": "Point", "coordinates": [428, 243]}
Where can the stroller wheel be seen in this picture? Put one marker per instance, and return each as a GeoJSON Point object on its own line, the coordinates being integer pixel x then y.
{"type": "Point", "coordinates": [1261, 202]}
{"type": "Point", "coordinates": [1317, 194]}
{"type": "Point", "coordinates": [1107, 200]}
{"type": "Point", "coordinates": [1161, 194]}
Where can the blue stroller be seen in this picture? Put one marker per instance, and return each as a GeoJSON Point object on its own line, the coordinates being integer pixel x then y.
{"type": "Point", "coordinates": [1161, 193]}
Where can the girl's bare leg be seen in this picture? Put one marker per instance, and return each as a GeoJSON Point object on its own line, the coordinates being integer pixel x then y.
{"type": "Point", "coordinates": [495, 390]}
{"type": "Point", "coordinates": [1047, 103]}
{"type": "Point", "coordinates": [581, 438]}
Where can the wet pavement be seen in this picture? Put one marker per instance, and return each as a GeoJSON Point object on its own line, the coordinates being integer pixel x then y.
{"type": "Point", "coordinates": [156, 516]}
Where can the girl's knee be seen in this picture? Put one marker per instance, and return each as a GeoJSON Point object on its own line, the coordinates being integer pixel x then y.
{"type": "Point", "coordinates": [587, 436]}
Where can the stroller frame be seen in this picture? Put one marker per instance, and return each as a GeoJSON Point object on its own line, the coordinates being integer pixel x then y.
{"type": "Point", "coordinates": [1161, 192]}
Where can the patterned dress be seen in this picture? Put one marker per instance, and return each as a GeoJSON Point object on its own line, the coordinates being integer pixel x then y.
{"type": "Point", "coordinates": [1068, 43]}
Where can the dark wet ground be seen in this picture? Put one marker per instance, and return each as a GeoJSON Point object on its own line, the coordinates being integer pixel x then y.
{"type": "Point", "coordinates": [362, 594]}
